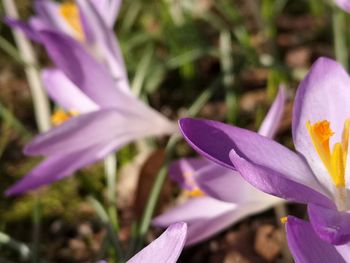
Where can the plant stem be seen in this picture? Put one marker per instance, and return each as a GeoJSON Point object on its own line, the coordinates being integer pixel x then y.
{"type": "Point", "coordinates": [111, 174]}
{"type": "Point", "coordinates": [36, 219]}
{"type": "Point", "coordinates": [40, 100]}
{"type": "Point", "coordinates": [339, 37]}
{"type": "Point", "coordinates": [228, 77]}
{"type": "Point", "coordinates": [110, 231]}
{"type": "Point", "coordinates": [161, 176]}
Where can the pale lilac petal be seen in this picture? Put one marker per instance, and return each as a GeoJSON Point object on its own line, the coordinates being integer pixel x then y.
{"type": "Point", "coordinates": [166, 248]}
{"type": "Point", "coordinates": [215, 140]}
{"type": "Point", "coordinates": [229, 186]}
{"type": "Point", "coordinates": [331, 225]}
{"type": "Point", "coordinates": [82, 69]}
{"type": "Point", "coordinates": [79, 132]}
{"type": "Point", "coordinates": [65, 93]}
{"type": "Point", "coordinates": [49, 12]}
{"type": "Point", "coordinates": [343, 4]}
{"type": "Point", "coordinates": [272, 182]}
{"type": "Point", "coordinates": [306, 246]}
{"type": "Point", "coordinates": [324, 94]}
{"type": "Point", "coordinates": [108, 10]}
{"type": "Point", "coordinates": [59, 166]}
{"type": "Point", "coordinates": [207, 216]}
{"type": "Point", "coordinates": [344, 251]}
{"type": "Point", "coordinates": [182, 171]}
{"type": "Point", "coordinates": [271, 122]}
{"type": "Point", "coordinates": [92, 128]}
{"type": "Point", "coordinates": [105, 43]}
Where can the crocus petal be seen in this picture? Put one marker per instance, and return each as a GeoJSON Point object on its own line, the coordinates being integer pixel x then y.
{"type": "Point", "coordinates": [24, 27]}
{"type": "Point", "coordinates": [271, 122]}
{"type": "Point", "coordinates": [215, 140]}
{"type": "Point", "coordinates": [228, 186]}
{"type": "Point", "coordinates": [182, 171]}
{"type": "Point", "coordinates": [306, 246]}
{"type": "Point", "coordinates": [106, 43]}
{"type": "Point", "coordinates": [92, 128]}
{"type": "Point", "coordinates": [343, 4]}
{"type": "Point", "coordinates": [79, 132]}
{"type": "Point", "coordinates": [108, 10]}
{"type": "Point", "coordinates": [59, 166]}
{"type": "Point", "coordinates": [272, 182]}
{"type": "Point", "coordinates": [166, 248]}
{"type": "Point", "coordinates": [324, 94]}
{"type": "Point", "coordinates": [344, 250]}
{"type": "Point", "coordinates": [65, 93]}
{"type": "Point", "coordinates": [207, 216]}
{"type": "Point", "coordinates": [330, 224]}
{"type": "Point", "coordinates": [49, 12]}
{"type": "Point", "coordinates": [83, 70]}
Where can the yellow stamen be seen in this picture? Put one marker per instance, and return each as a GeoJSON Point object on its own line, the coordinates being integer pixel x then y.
{"type": "Point", "coordinates": [196, 192]}
{"type": "Point", "coordinates": [70, 12]}
{"type": "Point", "coordinates": [338, 166]}
{"type": "Point", "coordinates": [335, 162]}
{"type": "Point", "coordinates": [284, 219]}
{"type": "Point", "coordinates": [60, 116]}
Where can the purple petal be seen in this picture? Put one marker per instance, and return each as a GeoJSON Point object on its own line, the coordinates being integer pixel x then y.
{"type": "Point", "coordinates": [207, 216]}
{"type": "Point", "coordinates": [106, 43]}
{"type": "Point", "coordinates": [182, 171]}
{"type": "Point", "coordinates": [272, 182]}
{"type": "Point", "coordinates": [24, 27]}
{"type": "Point", "coordinates": [83, 70]}
{"type": "Point", "coordinates": [59, 166]}
{"type": "Point", "coordinates": [331, 225]}
{"type": "Point", "coordinates": [48, 11]}
{"type": "Point", "coordinates": [271, 122]}
{"type": "Point", "coordinates": [228, 186]}
{"type": "Point", "coordinates": [96, 127]}
{"type": "Point", "coordinates": [65, 93]}
{"type": "Point", "coordinates": [215, 140]}
{"type": "Point", "coordinates": [343, 4]}
{"type": "Point", "coordinates": [324, 94]}
{"type": "Point", "coordinates": [108, 10]}
{"type": "Point", "coordinates": [306, 246]}
{"type": "Point", "coordinates": [79, 132]}
{"type": "Point", "coordinates": [166, 248]}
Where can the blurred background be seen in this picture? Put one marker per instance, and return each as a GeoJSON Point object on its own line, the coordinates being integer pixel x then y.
{"type": "Point", "coordinates": [174, 50]}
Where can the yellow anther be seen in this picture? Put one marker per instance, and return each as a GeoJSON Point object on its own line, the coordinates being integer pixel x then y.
{"type": "Point", "coordinates": [196, 192]}
{"type": "Point", "coordinates": [70, 12]}
{"type": "Point", "coordinates": [60, 116]}
{"type": "Point", "coordinates": [284, 219]}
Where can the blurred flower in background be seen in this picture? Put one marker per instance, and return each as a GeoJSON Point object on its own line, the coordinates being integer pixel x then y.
{"type": "Point", "coordinates": [218, 196]}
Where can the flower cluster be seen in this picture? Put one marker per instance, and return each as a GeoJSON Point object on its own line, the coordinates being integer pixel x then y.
{"type": "Point", "coordinates": [240, 173]}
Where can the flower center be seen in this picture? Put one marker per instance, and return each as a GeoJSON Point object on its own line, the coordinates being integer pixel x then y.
{"type": "Point", "coordinates": [195, 190]}
{"type": "Point", "coordinates": [60, 116]}
{"type": "Point", "coordinates": [70, 12]}
{"type": "Point", "coordinates": [335, 160]}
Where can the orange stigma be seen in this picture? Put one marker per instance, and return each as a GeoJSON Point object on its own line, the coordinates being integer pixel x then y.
{"type": "Point", "coordinates": [60, 116]}
{"type": "Point", "coordinates": [335, 160]}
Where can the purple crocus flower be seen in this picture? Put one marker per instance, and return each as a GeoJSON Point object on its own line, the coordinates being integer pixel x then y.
{"type": "Point", "coordinates": [227, 197]}
{"type": "Point", "coordinates": [306, 246]}
{"type": "Point", "coordinates": [89, 21]}
{"type": "Point", "coordinates": [165, 249]}
{"type": "Point", "coordinates": [318, 174]}
{"type": "Point", "coordinates": [109, 117]}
